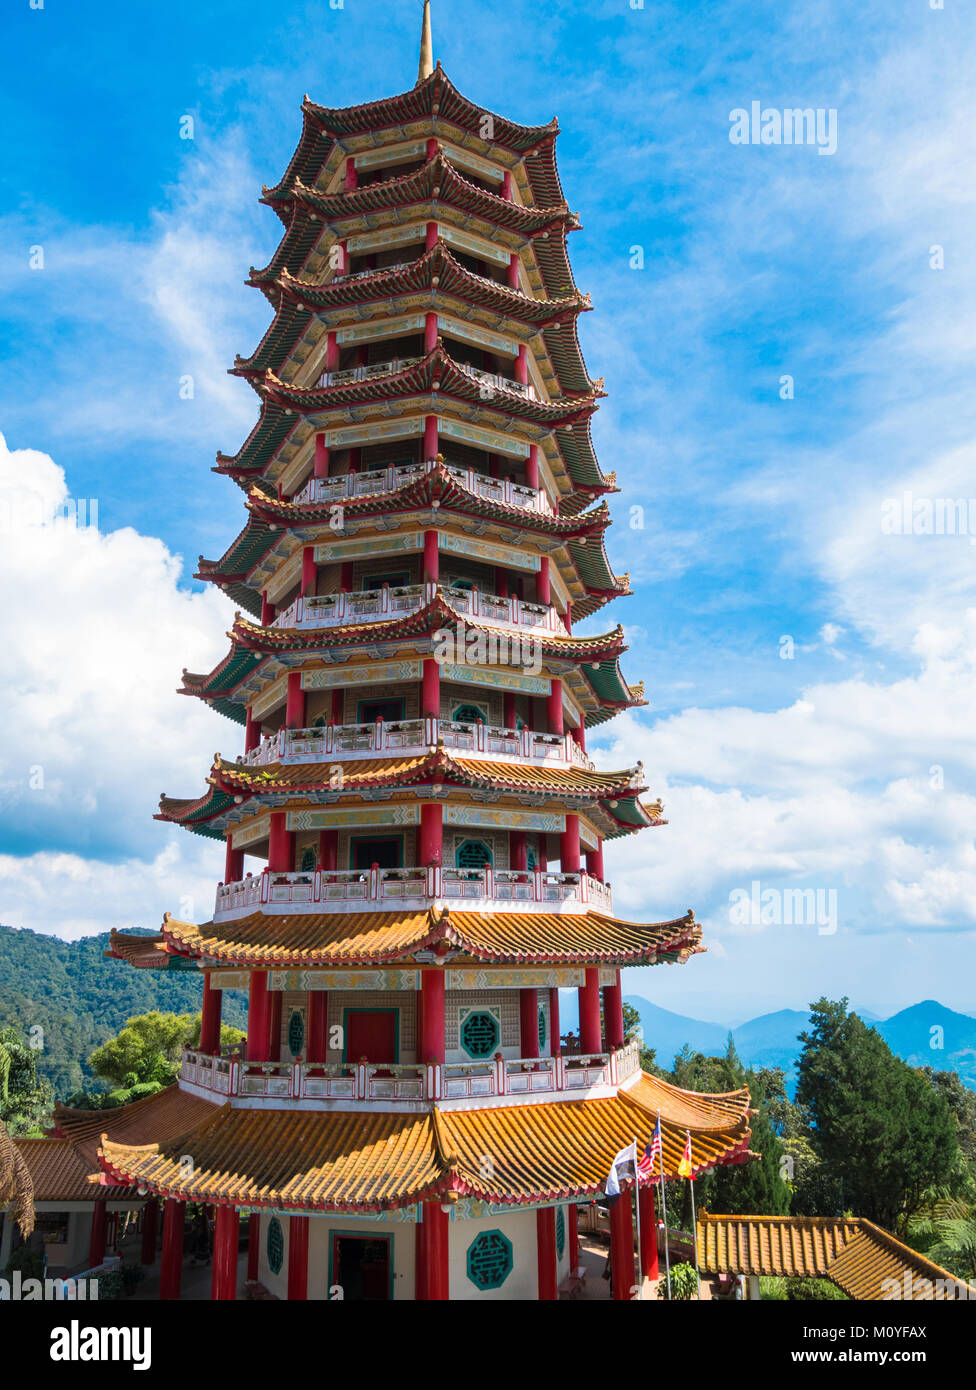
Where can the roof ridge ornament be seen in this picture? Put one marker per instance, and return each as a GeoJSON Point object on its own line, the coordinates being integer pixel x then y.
{"type": "Point", "coordinates": [426, 68]}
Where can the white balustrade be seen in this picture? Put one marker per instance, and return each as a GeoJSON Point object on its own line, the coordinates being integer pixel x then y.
{"type": "Point", "coordinates": [496, 382]}
{"type": "Point", "coordinates": [351, 375]}
{"type": "Point", "coordinates": [394, 476]}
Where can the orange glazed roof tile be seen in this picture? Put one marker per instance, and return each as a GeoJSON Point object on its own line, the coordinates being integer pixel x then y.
{"type": "Point", "coordinates": [58, 1171]}
{"type": "Point", "coordinates": [859, 1257]}
{"type": "Point", "coordinates": [169, 1113]}
{"type": "Point", "coordinates": [372, 1161]}
{"type": "Point", "coordinates": [358, 938]}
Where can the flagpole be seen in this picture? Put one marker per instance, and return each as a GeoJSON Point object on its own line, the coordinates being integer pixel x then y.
{"type": "Point", "coordinates": [640, 1272]}
{"type": "Point", "coordinates": [694, 1224]}
{"type": "Point", "coordinates": [664, 1209]}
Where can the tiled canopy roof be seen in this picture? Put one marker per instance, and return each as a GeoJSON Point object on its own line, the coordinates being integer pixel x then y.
{"type": "Point", "coordinates": [352, 1161]}
{"type": "Point", "coordinates": [864, 1260]}
{"type": "Point", "coordinates": [383, 938]}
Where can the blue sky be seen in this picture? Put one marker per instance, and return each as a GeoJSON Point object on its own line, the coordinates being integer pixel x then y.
{"type": "Point", "coordinates": [761, 516]}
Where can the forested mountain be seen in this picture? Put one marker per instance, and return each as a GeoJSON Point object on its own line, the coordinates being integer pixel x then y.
{"type": "Point", "coordinates": [79, 999]}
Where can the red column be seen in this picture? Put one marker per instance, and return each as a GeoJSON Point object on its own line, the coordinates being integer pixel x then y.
{"type": "Point", "coordinates": [569, 846]}
{"type": "Point", "coordinates": [267, 611]}
{"type": "Point", "coordinates": [295, 702]}
{"type": "Point", "coordinates": [507, 184]}
{"type": "Point", "coordinates": [297, 1259]}
{"type": "Point", "coordinates": [622, 1248]}
{"type": "Point", "coordinates": [532, 467]}
{"type": "Point", "coordinates": [321, 467]}
{"type": "Point", "coordinates": [501, 582]}
{"type": "Point", "coordinates": [431, 437]}
{"type": "Point", "coordinates": [613, 1013]}
{"type": "Point", "coordinates": [554, 708]}
{"type": "Point", "coordinates": [171, 1262]}
{"type": "Point", "coordinates": [545, 1227]}
{"type": "Point", "coordinates": [150, 1231]}
{"type": "Point", "coordinates": [233, 863]}
{"type": "Point", "coordinates": [508, 709]}
{"type": "Point", "coordinates": [432, 559]}
{"type": "Point", "coordinates": [252, 732]}
{"type": "Point", "coordinates": [518, 856]}
{"type": "Point", "coordinates": [309, 570]}
{"type": "Point", "coordinates": [648, 1232]}
{"type": "Point", "coordinates": [529, 1022]}
{"type": "Point", "coordinates": [432, 235]}
{"type": "Point", "coordinates": [99, 1234]}
{"type": "Point", "coordinates": [431, 834]}
{"type": "Point", "coordinates": [513, 271]}
{"type": "Point", "coordinates": [543, 589]}
{"type": "Point", "coordinates": [555, 1042]}
{"type": "Point", "coordinates": [345, 577]}
{"type": "Point", "coordinates": [258, 1018]}
{"type": "Point", "coordinates": [573, 1237]}
{"type": "Point", "coordinates": [589, 1012]}
{"type": "Point", "coordinates": [435, 1248]}
{"type": "Point", "coordinates": [579, 736]}
{"type": "Point", "coordinates": [430, 332]}
{"type": "Point", "coordinates": [522, 365]}
{"type": "Point", "coordinates": [281, 849]}
{"type": "Point", "coordinates": [253, 1246]}
{"type": "Point", "coordinates": [328, 849]}
{"type": "Point", "coordinates": [210, 1017]}
{"type": "Point", "coordinates": [223, 1282]}
{"type": "Point", "coordinates": [352, 175]}
{"type": "Point", "coordinates": [432, 1016]}
{"type": "Point", "coordinates": [332, 342]}
{"type": "Point", "coordinates": [317, 1039]}
{"type": "Point", "coordinates": [431, 693]}
{"type": "Point", "coordinates": [432, 146]}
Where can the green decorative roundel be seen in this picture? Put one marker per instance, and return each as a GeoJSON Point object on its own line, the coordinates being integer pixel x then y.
{"type": "Point", "coordinates": [296, 1033]}
{"type": "Point", "coordinates": [480, 1034]}
{"type": "Point", "coordinates": [560, 1231]}
{"type": "Point", "coordinates": [275, 1245]}
{"type": "Point", "coordinates": [490, 1260]}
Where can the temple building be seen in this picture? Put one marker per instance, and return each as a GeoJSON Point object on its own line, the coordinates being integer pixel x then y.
{"type": "Point", "coordinates": [413, 828]}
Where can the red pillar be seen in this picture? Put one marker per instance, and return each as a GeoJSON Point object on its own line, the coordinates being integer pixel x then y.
{"type": "Point", "coordinates": [508, 709]}
{"type": "Point", "coordinates": [150, 1231]}
{"type": "Point", "coordinates": [171, 1262]}
{"type": "Point", "coordinates": [555, 1042]}
{"type": "Point", "coordinates": [573, 1237]}
{"type": "Point", "coordinates": [532, 467]}
{"type": "Point", "coordinates": [317, 1039]}
{"type": "Point", "coordinates": [518, 855]}
{"type": "Point", "coordinates": [252, 732]}
{"type": "Point", "coordinates": [253, 1246]}
{"type": "Point", "coordinates": [431, 693]}
{"type": "Point", "coordinates": [258, 1018]}
{"type": "Point", "coordinates": [431, 437]}
{"type": "Point", "coordinates": [622, 1248]}
{"type": "Point", "coordinates": [432, 561]}
{"type": "Point", "coordinates": [337, 706]}
{"type": "Point", "coordinates": [233, 863]}
{"type": "Point", "coordinates": [346, 577]}
{"type": "Point", "coordinates": [295, 702]}
{"type": "Point", "coordinates": [507, 184]}
{"type": "Point", "coordinates": [210, 1017]}
{"type": "Point", "coordinates": [309, 570]}
{"type": "Point", "coordinates": [435, 1247]}
{"type": "Point", "coordinates": [513, 271]}
{"type": "Point", "coordinates": [589, 1012]}
{"type": "Point", "coordinates": [569, 846]}
{"type": "Point", "coordinates": [430, 332]}
{"type": "Point", "coordinates": [522, 365]}
{"type": "Point", "coordinates": [321, 467]}
{"type": "Point", "coordinates": [543, 588]}
{"type": "Point", "coordinates": [432, 1016]}
{"type": "Point", "coordinates": [328, 849]}
{"type": "Point", "coordinates": [99, 1234]}
{"type": "Point", "coordinates": [545, 1227]}
{"type": "Point", "coordinates": [223, 1282]}
{"type": "Point", "coordinates": [529, 1022]}
{"type": "Point", "coordinates": [352, 175]}
{"type": "Point", "coordinates": [554, 708]}
{"type": "Point", "coordinates": [267, 611]}
{"type": "Point", "coordinates": [431, 834]}
{"type": "Point", "coordinates": [613, 1013]}
{"type": "Point", "coordinates": [281, 848]}
{"type": "Point", "coordinates": [579, 736]}
{"type": "Point", "coordinates": [432, 235]}
{"type": "Point", "coordinates": [648, 1232]}
{"type": "Point", "coordinates": [332, 342]}
{"type": "Point", "coordinates": [297, 1259]}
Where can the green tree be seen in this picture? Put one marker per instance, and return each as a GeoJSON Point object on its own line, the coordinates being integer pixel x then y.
{"type": "Point", "coordinates": [881, 1131]}
{"type": "Point", "coordinates": [25, 1098]}
{"type": "Point", "coordinates": [760, 1186]}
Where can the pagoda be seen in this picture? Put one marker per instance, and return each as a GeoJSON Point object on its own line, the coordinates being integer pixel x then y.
{"type": "Point", "coordinates": [413, 828]}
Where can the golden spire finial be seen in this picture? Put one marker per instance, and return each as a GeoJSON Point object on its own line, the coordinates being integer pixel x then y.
{"type": "Point", "coordinates": [426, 47]}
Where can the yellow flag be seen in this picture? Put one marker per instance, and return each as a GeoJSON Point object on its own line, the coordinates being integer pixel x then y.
{"type": "Point", "coordinates": [684, 1167]}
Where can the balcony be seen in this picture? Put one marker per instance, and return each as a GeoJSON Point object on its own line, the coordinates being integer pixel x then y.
{"type": "Point", "coordinates": [317, 1085]}
{"type": "Point", "coordinates": [384, 605]}
{"type": "Point", "coordinates": [415, 737]}
{"type": "Point", "coordinates": [395, 476]}
{"type": "Point", "coordinates": [412, 889]}
{"type": "Point", "coordinates": [488, 382]}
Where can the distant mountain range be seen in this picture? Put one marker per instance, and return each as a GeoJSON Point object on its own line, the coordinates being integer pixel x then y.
{"type": "Point", "coordinates": [925, 1034]}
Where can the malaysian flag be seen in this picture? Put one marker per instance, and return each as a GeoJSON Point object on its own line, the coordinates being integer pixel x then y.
{"type": "Point", "coordinates": [652, 1153]}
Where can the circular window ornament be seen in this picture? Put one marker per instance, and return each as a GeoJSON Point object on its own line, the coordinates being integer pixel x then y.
{"type": "Point", "coordinates": [480, 1033]}
{"type": "Point", "coordinates": [490, 1260]}
{"type": "Point", "coordinates": [296, 1033]}
{"type": "Point", "coordinates": [275, 1245]}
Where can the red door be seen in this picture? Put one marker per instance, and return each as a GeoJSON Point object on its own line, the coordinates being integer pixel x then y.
{"type": "Point", "coordinates": [371, 1033]}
